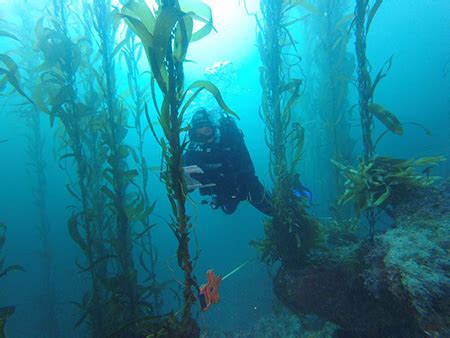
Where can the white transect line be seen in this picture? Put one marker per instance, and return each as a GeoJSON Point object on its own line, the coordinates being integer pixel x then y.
{"type": "Point", "coordinates": [237, 269]}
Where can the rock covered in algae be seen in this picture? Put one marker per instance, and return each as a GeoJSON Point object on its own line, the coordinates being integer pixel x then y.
{"type": "Point", "coordinates": [412, 260]}
{"type": "Point", "coordinates": [397, 287]}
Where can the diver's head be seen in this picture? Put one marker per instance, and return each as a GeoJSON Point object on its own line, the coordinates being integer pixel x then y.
{"type": "Point", "coordinates": [202, 128]}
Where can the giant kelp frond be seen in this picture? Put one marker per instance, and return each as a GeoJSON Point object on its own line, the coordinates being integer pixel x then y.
{"type": "Point", "coordinates": [10, 35]}
{"type": "Point", "coordinates": [308, 5]}
{"type": "Point", "coordinates": [54, 93]}
{"type": "Point", "coordinates": [9, 73]}
{"type": "Point", "coordinates": [155, 30]}
{"type": "Point", "coordinates": [372, 184]}
{"type": "Point", "coordinates": [291, 232]}
{"type": "Point", "coordinates": [372, 11]}
{"type": "Point", "coordinates": [166, 32]}
{"type": "Point", "coordinates": [388, 119]}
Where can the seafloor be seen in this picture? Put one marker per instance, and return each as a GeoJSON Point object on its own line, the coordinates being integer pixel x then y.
{"type": "Point", "coordinates": [282, 323]}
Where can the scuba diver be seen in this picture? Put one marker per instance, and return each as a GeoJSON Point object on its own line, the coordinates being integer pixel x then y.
{"type": "Point", "coordinates": [218, 163]}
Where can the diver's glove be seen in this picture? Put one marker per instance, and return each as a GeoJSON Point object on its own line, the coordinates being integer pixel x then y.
{"type": "Point", "coordinates": [301, 191]}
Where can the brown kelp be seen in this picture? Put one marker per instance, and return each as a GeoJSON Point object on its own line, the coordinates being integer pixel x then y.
{"type": "Point", "coordinates": [9, 70]}
{"type": "Point", "coordinates": [124, 285]}
{"type": "Point", "coordinates": [93, 126]}
{"type": "Point", "coordinates": [291, 232]}
{"type": "Point", "coordinates": [375, 183]}
{"type": "Point", "coordinates": [131, 53]}
{"type": "Point", "coordinates": [166, 33]}
{"type": "Point", "coordinates": [330, 75]}
{"type": "Point", "coordinates": [371, 184]}
{"type": "Point", "coordinates": [58, 94]}
{"type": "Point", "coordinates": [363, 18]}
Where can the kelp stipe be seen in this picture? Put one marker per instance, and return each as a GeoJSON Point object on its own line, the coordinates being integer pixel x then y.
{"type": "Point", "coordinates": [328, 105]}
{"type": "Point", "coordinates": [58, 95]}
{"type": "Point", "coordinates": [131, 53]}
{"type": "Point", "coordinates": [125, 304]}
{"type": "Point", "coordinates": [166, 34]}
{"type": "Point", "coordinates": [361, 25]}
{"type": "Point", "coordinates": [291, 232]}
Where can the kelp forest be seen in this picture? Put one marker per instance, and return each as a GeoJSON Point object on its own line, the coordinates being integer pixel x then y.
{"type": "Point", "coordinates": [99, 99]}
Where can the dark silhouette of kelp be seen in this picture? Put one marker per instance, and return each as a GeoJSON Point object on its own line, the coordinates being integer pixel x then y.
{"type": "Point", "coordinates": [328, 107]}
{"type": "Point", "coordinates": [5, 311]}
{"type": "Point", "coordinates": [48, 321]}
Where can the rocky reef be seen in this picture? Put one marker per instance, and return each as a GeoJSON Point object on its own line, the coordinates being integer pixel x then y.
{"type": "Point", "coordinates": [396, 286]}
{"type": "Point", "coordinates": [282, 323]}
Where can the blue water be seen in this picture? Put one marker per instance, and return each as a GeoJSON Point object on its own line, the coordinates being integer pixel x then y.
{"type": "Point", "coordinates": [417, 89]}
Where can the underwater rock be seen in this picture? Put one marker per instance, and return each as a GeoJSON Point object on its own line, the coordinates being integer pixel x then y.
{"type": "Point", "coordinates": [397, 287]}
{"type": "Point", "coordinates": [282, 323]}
{"type": "Point", "coordinates": [339, 295]}
{"type": "Point", "coordinates": [412, 261]}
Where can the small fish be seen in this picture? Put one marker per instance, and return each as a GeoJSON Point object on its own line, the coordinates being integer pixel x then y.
{"type": "Point", "coordinates": [3, 141]}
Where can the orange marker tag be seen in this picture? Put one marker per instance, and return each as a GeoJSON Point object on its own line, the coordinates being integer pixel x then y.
{"type": "Point", "coordinates": [209, 293]}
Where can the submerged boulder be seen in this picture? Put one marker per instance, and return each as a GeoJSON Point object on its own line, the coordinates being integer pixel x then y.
{"type": "Point", "coordinates": [398, 286]}
{"type": "Point", "coordinates": [281, 323]}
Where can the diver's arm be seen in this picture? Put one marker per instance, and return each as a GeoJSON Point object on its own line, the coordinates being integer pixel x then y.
{"type": "Point", "coordinates": [259, 197]}
{"type": "Point", "coordinates": [243, 161]}
{"type": "Point", "coordinates": [188, 156]}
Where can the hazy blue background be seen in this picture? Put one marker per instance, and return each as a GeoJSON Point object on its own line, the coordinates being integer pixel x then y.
{"type": "Point", "coordinates": [417, 89]}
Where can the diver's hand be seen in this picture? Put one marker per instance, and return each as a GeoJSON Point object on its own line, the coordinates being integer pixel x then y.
{"type": "Point", "coordinates": [191, 182]}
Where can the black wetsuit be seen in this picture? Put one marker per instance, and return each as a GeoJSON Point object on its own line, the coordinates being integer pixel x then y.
{"type": "Point", "coordinates": [228, 165]}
